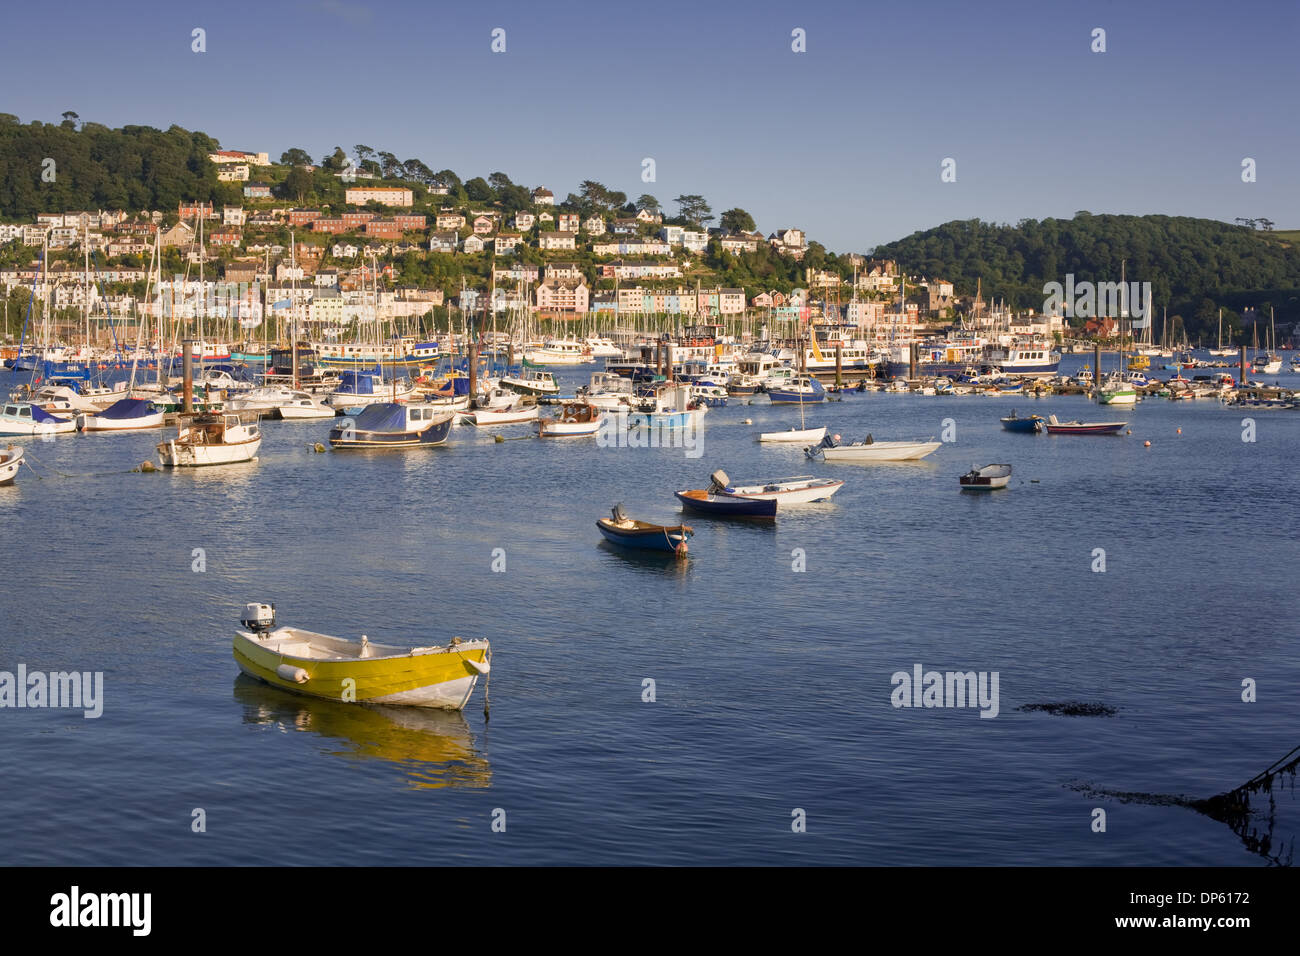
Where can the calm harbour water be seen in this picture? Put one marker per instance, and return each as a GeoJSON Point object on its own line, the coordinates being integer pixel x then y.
{"type": "Point", "coordinates": [773, 686]}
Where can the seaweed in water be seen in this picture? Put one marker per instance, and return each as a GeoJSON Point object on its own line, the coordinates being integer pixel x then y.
{"type": "Point", "coordinates": [1254, 827]}
{"type": "Point", "coordinates": [1072, 708]}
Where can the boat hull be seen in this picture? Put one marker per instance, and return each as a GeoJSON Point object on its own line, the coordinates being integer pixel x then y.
{"type": "Point", "coordinates": [726, 506]}
{"type": "Point", "coordinates": [175, 454]}
{"type": "Point", "coordinates": [484, 418]}
{"type": "Point", "coordinates": [881, 451]}
{"type": "Point", "coordinates": [10, 462]}
{"type": "Point", "coordinates": [347, 437]}
{"type": "Point", "coordinates": [789, 491]}
{"type": "Point", "coordinates": [671, 540]}
{"type": "Point", "coordinates": [439, 680]}
{"type": "Point", "coordinates": [803, 436]}
{"type": "Point", "coordinates": [1032, 425]}
{"type": "Point", "coordinates": [1085, 428]}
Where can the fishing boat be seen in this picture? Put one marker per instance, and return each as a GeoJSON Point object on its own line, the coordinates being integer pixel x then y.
{"type": "Point", "coordinates": [802, 390]}
{"type": "Point", "coordinates": [26, 418]}
{"type": "Point", "coordinates": [869, 449]}
{"type": "Point", "coordinates": [126, 414]}
{"type": "Point", "coordinates": [671, 406]}
{"type": "Point", "coordinates": [531, 381]}
{"type": "Point", "coordinates": [1267, 364]}
{"type": "Point", "coordinates": [1029, 423]}
{"type": "Point", "coordinates": [302, 406]}
{"type": "Point", "coordinates": [211, 440]}
{"type": "Point", "coordinates": [11, 459]}
{"type": "Point", "coordinates": [705, 501]}
{"type": "Point", "coordinates": [335, 668]}
{"type": "Point", "coordinates": [714, 396]}
{"type": "Point", "coordinates": [1116, 391]}
{"type": "Point", "coordinates": [514, 415]}
{"type": "Point", "coordinates": [393, 425]}
{"type": "Point", "coordinates": [608, 390]}
{"type": "Point", "coordinates": [1055, 427]}
{"type": "Point", "coordinates": [799, 490]}
{"type": "Point", "coordinates": [575, 420]}
{"type": "Point", "coordinates": [803, 436]}
{"type": "Point", "coordinates": [988, 478]}
{"type": "Point", "coordinates": [626, 532]}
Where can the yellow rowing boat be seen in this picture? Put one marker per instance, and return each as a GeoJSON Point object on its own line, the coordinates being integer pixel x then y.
{"type": "Point", "coordinates": [335, 668]}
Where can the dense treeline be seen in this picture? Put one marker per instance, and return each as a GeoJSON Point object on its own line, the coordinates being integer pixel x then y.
{"type": "Point", "coordinates": [94, 167]}
{"type": "Point", "coordinates": [1194, 266]}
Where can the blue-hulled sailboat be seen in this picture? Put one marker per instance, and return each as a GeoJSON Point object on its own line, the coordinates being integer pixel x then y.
{"type": "Point", "coordinates": [394, 425]}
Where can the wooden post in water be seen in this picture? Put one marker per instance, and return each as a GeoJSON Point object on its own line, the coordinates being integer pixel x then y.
{"type": "Point", "coordinates": [1242, 383]}
{"type": "Point", "coordinates": [187, 376]}
{"type": "Point", "coordinates": [839, 364]}
{"type": "Point", "coordinates": [668, 361]}
{"type": "Point", "coordinates": [510, 353]}
{"type": "Point", "coordinates": [1096, 368]}
{"type": "Point", "coordinates": [911, 361]}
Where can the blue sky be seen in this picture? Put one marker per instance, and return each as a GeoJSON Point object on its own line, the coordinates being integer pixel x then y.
{"type": "Point", "coordinates": [844, 140]}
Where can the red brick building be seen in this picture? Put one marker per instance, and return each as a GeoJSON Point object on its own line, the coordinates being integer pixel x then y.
{"type": "Point", "coordinates": [383, 229]}
{"type": "Point", "coordinates": [357, 220]}
{"type": "Point", "coordinates": [300, 217]}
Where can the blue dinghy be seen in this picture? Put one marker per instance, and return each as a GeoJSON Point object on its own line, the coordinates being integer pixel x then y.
{"type": "Point", "coordinates": [641, 535]}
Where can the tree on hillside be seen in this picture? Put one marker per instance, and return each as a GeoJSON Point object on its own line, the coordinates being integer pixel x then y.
{"type": "Point", "coordinates": [335, 161]}
{"type": "Point", "coordinates": [296, 185]}
{"type": "Point", "coordinates": [737, 220]}
{"type": "Point", "coordinates": [694, 209]}
{"type": "Point", "coordinates": [363, 152]}
{"type": "Point", "coordinates": [391, 166]}
{"type": "Point", "coordinates": [499, 181]}
{"type": "Point", "coordinates": [295, 157]}
{"type": "Point", "coordinates": [478, 190]}
{"type": "Point", "coordinates": [647, 202]}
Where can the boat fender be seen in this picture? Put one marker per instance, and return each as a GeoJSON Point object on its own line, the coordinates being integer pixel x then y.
{"type": "Point", "coordinates": [483, 667]}
{"type": "Point", "coordinates": [289, 672]}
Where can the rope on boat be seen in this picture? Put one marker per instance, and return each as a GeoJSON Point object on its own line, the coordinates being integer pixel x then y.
{"type": "Point", "coordinates": [28, 458]}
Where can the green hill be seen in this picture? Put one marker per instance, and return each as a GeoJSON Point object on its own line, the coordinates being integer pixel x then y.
{"type": "Point", "coordinates": [1195, 266]}
{"type": "Point", "coordinates": [133, 168]}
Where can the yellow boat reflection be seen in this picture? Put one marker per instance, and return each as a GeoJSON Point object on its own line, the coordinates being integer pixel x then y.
{"type": "Point", "coordinates": [435, 748]}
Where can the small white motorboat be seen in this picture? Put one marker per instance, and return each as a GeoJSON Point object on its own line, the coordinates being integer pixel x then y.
{"type": "Point", "coordinates": [304, 407]}
{"type": "Point", "coordinates": [802, 436]}
{"type": "Point", "coordinates": [869, 449]}
{"type": "Point", "coordinates": [211, 440]}
{"type": "Point", "coordinates": [27, 418]}
{"type": "Point", "coordinates": [515, 415]}
{"type": "Point", "coordinates": [11, 459]}
{"type": "Point", "coordinates": [988, 478]}
{"type": "Point", "coordinates": [799, 490]}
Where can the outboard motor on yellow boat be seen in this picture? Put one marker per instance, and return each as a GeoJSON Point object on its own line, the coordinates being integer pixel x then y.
{"type": "Point", "coordinates": [258, 618]}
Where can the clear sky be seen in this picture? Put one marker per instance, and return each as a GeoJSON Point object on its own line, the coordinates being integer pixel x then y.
{"type": "Point", "coordinates": [844, 140]}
